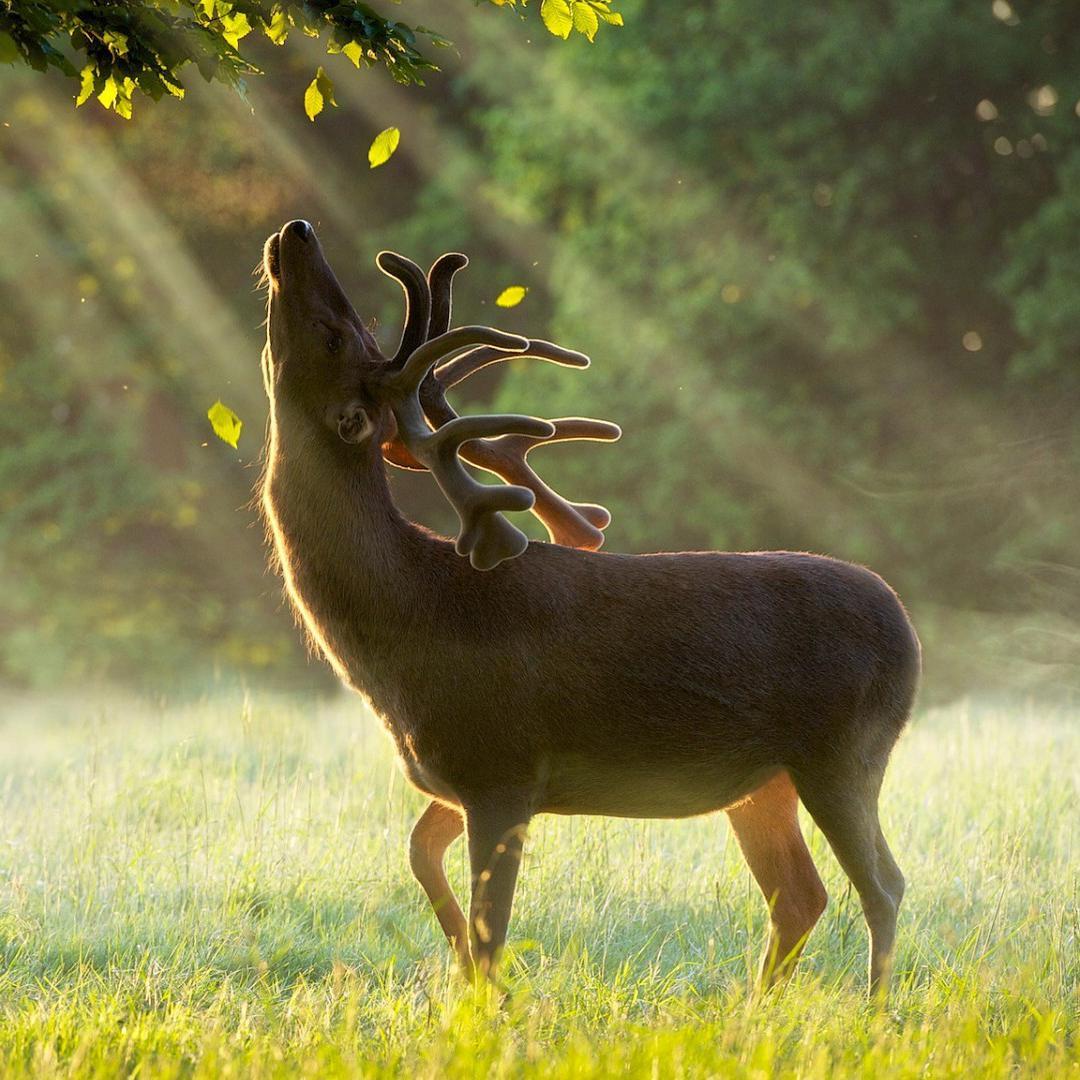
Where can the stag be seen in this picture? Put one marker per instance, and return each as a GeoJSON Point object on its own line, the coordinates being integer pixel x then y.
{"type": "Point", "coordinates": [520, 678]}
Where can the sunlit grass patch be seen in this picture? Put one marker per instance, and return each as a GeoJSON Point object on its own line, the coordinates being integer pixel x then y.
{"type": "Point", "coordinates": [224, 888]}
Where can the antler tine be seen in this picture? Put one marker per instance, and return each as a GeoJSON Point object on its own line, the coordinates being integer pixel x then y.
{"type": "Point", "coordinates": [573, 524]}
{"type": "Point", "coordinates": [440, 280]}
{"type": "Point", "coordinates": [417, 302]}
{"type": "Point", "coordinates": [461, 367]}
{"type": "Point", "coordinates": [417, 327]}
{"type": "Point", "coordinates": [411, 374]}
{"type": "Point", "coordinates": [485, 536]}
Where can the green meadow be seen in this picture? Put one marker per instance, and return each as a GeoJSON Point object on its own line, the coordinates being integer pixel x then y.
{"type": "Point", "coordinates": [221, 889]}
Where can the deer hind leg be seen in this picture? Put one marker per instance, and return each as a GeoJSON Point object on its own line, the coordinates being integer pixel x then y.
{"type": "Point", "coordinates": [843, 801]}
{"type": "Point", "coordinates": [439, 826]}
{"type": "Point", "coordinates": [767, 828]}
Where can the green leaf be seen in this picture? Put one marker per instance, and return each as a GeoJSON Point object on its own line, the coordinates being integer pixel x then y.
{"type": "Point", "coordinates": [383, 146]}
{"type": "Point", "coordinates": [320, 90]}
{"type": "Point", "coordinates": [558, 17]}
{"type": "Point", "coordinates": [613, 18]}
{"type": "Point", "coordinates": [511, 296]}
{"type": "Point", "coordinates": [9, 51]}
{"type": "Point", "coordinates": [226, 424]}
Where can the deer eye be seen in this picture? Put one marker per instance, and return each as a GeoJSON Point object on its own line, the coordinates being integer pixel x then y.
{"type": "Point", "coordinates": [333, 343]}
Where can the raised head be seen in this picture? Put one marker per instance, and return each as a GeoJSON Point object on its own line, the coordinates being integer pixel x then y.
{"type": "Point", "coordinates": [320, 358]}
{"type": "Point", "coordinates": [324, 371]}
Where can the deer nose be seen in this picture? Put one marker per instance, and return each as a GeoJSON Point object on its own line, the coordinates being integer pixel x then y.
{"type": "Point", "coordinates": [300, 229]}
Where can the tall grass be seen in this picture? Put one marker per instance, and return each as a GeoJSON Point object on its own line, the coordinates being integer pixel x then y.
{"type": "Point", "coordinates": [223, 890]}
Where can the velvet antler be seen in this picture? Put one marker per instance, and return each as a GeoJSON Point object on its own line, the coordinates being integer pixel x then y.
{"type": "Point", "coordinates": [572, 524]}
{"type": "Point", "coordinates": [485, 535]}
{"type": "Point", "coordinates": [417, 303]}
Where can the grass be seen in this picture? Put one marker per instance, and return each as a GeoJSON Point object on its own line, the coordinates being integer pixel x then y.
{"type": "Point", "coordinates": [223, 890]}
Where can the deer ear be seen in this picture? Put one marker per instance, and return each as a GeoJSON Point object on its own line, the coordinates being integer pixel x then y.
{"type": "Point", "coordinates": [353, 422]}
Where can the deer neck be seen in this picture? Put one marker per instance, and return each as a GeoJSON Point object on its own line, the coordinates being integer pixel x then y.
{"type": "Point", "coordinates": [347, 556]}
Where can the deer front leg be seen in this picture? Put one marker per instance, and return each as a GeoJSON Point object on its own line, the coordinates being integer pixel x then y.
{"type": "Point", "coordinates": [496, 834]}
{"type": "Point", "coordinates": [439, 826]}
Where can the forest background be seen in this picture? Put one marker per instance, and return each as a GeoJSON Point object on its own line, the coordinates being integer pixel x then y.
{"type": "Point", "coordinates": [825, 264]}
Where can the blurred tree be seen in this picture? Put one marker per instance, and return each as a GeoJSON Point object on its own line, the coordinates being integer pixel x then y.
{"type": "Point", "coordinates": [114, 49]}
{"type": "Point", "coordinates": [826, 266]}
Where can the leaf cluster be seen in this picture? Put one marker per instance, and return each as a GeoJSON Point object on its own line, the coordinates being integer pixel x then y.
{"type": "Point", "coordinates": [115, 49]}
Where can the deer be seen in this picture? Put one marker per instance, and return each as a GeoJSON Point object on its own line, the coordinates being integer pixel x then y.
{"type": "Point", "coordinates": [519, 678]}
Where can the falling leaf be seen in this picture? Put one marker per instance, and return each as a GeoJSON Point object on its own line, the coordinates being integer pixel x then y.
{"type": "Point", "coordinates": [320, 90]}
{"type": "Point", "coordinates": [226, 424]}
{"type": "Point", "coordinates": [558, 17]}
{"type": "Point", "coordinates": [511, 296]}
{"type": "Point", "coordinates": [383, 146]}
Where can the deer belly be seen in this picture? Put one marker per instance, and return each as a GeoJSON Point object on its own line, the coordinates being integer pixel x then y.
{"type": "Point", "coordinates": [576, 785]}
{"type": "Point", "coordinates": [427, 780]}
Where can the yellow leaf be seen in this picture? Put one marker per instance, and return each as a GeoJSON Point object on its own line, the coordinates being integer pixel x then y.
{"type": "Point", "coordinates": [586, 20]}
{"type": "Point", "coordinates": [313, 100]}
{"type": "Point", "coordinates": [511, 296]}
{"type": "Point", "coordinates": [278, 28]}
{"type": "Point", "coordinates": [108, 95]}
{"type": "Point", "coordinates": [320, 90]}
{"type": "Point", "coordinates": [235, 27]}
{"type": "Point", "coordinates": [353, 52]}
{"type": "Point", "coordinates": [557, 16]}
{"type": "Point", "coordinates": [122, 104]}
{"type": "Point", "coordinates": [226, 424]}
{"type": "Point", "coordinates": [86, 87]}
{"type": "Point", "coordinates": [383, 146]}
{"type": "Point", "coordinates": [117, 42]}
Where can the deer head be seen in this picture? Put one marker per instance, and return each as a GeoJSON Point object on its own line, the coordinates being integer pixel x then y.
{"type": "Point", "coordinates": [324, 372]}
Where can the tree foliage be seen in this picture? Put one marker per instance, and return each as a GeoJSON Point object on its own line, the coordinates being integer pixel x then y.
{"type": "Point", "coordinates": [117, 49]}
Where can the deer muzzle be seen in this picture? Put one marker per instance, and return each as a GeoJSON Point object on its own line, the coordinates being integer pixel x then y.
{"type": "Point", "coordinates": [295, 248]}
